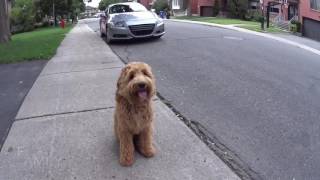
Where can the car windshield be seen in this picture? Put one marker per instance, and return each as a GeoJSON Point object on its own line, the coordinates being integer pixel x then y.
{"type": "Point", "coordinates": [123, 8]}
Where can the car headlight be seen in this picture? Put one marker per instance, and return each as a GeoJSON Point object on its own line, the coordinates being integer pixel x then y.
{"type": "Point", "coordinates": [159, 22]}
{"type": "Point", "coordinates": [120, 24]}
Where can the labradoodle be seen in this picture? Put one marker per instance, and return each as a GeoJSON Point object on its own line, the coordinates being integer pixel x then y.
{"type": "Point", "coordinates": [133, 117]}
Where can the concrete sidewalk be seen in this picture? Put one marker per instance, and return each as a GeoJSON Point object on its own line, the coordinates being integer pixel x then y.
{"type": "Point", "coordinates": [302, 40]}
{"type": "Point", "coordinates": [64, 129]}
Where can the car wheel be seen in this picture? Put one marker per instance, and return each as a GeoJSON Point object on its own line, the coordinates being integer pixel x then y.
{"type": "Point", "coordinates": [108, 39]}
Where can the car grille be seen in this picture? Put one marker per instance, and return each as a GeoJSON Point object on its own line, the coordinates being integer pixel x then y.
{"type": "Point", "coordinates": [143, 29]}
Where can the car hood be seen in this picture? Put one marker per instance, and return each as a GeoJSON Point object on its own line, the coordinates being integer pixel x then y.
{"type": "Point", "coordinates": [134, 17]}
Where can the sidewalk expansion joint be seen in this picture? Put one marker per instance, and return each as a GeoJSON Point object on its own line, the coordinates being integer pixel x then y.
{"type": "Point", "coordinates": [64, 113]}
{"type": "Point", "coordinates": [67, 72]}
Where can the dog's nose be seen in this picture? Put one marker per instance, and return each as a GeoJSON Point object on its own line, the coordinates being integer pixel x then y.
{"type": "Point", "coordinates": [141, 85]}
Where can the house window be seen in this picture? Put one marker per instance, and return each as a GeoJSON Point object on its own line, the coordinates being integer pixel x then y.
{"type": "Point", "coordinates": [315, 4]}
{"type": "Point", "coordinates": [254, 5]}
{"type": "Point", "coordinates": [175, 4]}
{"type": "Point", "coordinates": [274, 9]}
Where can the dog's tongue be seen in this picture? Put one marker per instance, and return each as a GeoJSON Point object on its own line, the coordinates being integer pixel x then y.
{"type": "Point", "coordinates": [142, 94]}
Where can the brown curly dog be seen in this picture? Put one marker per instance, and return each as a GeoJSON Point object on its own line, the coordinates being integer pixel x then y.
{"type": "Point", "coordinates": [133, 117]}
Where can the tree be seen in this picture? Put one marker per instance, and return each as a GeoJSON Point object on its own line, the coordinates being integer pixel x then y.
{"type": "Point", "coordinates": [62, 7]}
{"type": "Point", "coordinates": [216, 7]}
{"type": "Point", "coordinates": [160, 5]}
{"type": "Point", "coordinates": [105, 3]}
{"type": "Point", "coordinates": [23, 15]}
{"type": "Point", "coordinates": [238, 8]}
{"type": "Point", "coordinates": [189, 8]}
{"type": "Point", "coordinates": [5, 34]}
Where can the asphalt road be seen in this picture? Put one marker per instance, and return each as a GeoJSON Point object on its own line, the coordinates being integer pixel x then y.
{"type": "Point", "coordinates": [15, 82]}
{"type": "Point", "coordinates": [258, 97]}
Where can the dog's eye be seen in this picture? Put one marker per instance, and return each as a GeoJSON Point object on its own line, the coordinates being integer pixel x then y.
{"type": "Point", "coordinates": [145, 73]}
{"type": "Point", "coordinates": [131, 76]}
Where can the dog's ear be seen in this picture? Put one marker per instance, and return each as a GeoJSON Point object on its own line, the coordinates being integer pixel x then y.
{"type": "Point", "coordinates": [123, 74]}
{"type": "Point", "coordinates": [149, 70]}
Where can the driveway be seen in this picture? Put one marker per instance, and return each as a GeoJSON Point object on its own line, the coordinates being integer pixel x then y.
{"type": "Point", "coordinates": [15, 80]}
{"type": "Point", "coordinates": [257, 98]}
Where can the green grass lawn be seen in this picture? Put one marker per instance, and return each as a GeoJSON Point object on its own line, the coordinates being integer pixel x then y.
{"type": "Point", "coordinates": [41, 43]}
{"type": "Point", "coordinates": [217, 20]}
{"type": "Point", "coordinates": [271, 29]}
{"type": "Point", "coordinates": [251, 25]}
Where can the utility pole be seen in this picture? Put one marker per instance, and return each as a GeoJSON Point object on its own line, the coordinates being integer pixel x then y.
{"type": "Point", "coordinates": [268, 14]}
{"type": "Point", "coordinates": [53, 14]}
{"type": "Point", "coordinates": [262, 14]}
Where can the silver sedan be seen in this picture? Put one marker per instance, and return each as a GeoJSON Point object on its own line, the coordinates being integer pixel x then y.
{"type": "Point", "coordinates": [130, 20]}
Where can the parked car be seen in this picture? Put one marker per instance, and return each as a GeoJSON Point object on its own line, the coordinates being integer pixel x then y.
{"type": "Point", "coordinates": [130, 20]}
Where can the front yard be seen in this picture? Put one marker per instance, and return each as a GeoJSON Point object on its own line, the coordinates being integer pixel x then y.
{"type": "Point", "coordinates": [38, 44]}
{"type": "Point", "coordinates": [251, 25]}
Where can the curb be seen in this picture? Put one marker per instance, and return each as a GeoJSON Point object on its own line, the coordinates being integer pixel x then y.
{"type": "Point", "coordinates": [295, 44]}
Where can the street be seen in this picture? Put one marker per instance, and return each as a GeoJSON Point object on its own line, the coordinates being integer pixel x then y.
{"type": "Point", "coordinates": [258, 97]}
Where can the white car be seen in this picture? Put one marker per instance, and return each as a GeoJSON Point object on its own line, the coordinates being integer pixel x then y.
{"type": "Point", "coordinates": [130, 20]}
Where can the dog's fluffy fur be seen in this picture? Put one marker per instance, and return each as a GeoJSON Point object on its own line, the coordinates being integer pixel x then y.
{"type": "Point", "coordinates": [133, 118]}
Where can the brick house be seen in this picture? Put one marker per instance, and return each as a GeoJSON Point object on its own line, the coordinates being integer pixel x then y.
{"type": "Point", "coordinates": [198, 7]}
{"type": "Point", "coordinates": [310, 18]}
{"type": "Point", "coordinates": [281, 12]}
{"type": "Point", "coordinates": [146, 3]}
{"type": "Point", "coordinates": [284, 10]}
{"type": "Point", "coordinates": [306, 11]}
{"type": "Point", "coordinates": [204, 7]}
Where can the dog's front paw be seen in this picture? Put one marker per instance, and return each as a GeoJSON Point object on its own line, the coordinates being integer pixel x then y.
{"type": "Point", "coordinates": [148, 151]}
{"type": "Point", "coordinates": [126, 161]}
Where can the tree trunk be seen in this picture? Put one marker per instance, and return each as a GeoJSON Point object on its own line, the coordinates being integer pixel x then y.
{"type": "Point", "coordinates": [5, 33]}
{"type": "Point", "coordinates": [189, 8]}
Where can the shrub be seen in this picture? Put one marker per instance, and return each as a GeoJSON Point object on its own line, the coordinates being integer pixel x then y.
{"type": "Point", "coordinates": [160, 5]}
{"type": "Point", "coordinates": [216, 8]}
{"type": "Point", "coordinates": [22, 16]}
{"type": "Point", "coordinates": [238, 8]}
{"type": "Point", "coordinates": [297, 25]}
{"type": "Point", "coordinates": [254, 15]}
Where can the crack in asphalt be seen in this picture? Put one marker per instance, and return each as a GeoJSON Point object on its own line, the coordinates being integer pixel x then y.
{"type": "Point", "coordinates": [235, 163]}
{"type": "Point", "coordinates": [221, 150]}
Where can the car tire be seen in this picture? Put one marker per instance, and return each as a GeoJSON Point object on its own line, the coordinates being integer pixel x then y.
{"type": "Point", "coordinates": [108, 39]}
